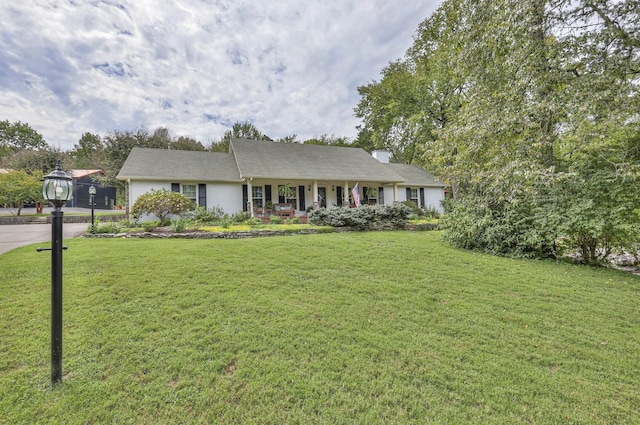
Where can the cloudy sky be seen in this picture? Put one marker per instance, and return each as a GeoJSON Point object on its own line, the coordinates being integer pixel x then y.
{"type": "Point", "coordinates": [196, 66]}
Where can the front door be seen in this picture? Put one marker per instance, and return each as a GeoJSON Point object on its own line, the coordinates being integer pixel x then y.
{"type": "Point", "coordinates": [322, 197]}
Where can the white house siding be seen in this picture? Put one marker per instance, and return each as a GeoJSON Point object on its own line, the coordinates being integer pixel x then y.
{"type": "Point", "coordinates": [433, 196]}
{"type": "Point", "coordinates": [228, 196]}
{"type": "Point", "coordinates": [137, 188]}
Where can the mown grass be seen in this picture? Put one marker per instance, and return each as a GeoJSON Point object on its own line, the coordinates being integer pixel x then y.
{"type": "Point", "coordinates": [380, 327]}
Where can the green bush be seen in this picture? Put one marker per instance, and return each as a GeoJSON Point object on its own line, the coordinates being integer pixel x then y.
{"type": "Point", "coordinates": [292, 220]}
{"type": "Point", "coordinates": [275, 219]}
{"type": "Point", "coordinates": [225, 222]}
{"type": "Point", "coordinates": [179, 224]}
{"type": "Point", "coordinates": [240, 217]}
{"type": "Point", "coordinates": [162, 204]}
{"type": "Point", "coordinates": [148, 226]}
{"type": "Point", "coordinates": [106, 227]}
{"type": "Point", "coordinates": [128, 223]}
{"type": "Point", "coordinates": [253, 221]}
{"type": "Point", "coordinates": [415, 209]}
{"type": "Point", "coordinates": [362, 218]}
{"type": "Point", "coordinates": [208, 216]}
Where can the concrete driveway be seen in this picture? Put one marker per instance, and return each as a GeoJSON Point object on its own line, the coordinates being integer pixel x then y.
{"type": "Point", "coordinates": [16, 235]}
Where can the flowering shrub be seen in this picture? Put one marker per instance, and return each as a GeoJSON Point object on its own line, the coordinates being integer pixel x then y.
{"type": "Point", "coordinates": [162, 204]}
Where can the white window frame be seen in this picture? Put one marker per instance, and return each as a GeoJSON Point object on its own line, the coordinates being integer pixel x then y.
{"type": "Point", "coordinates": [195, 192]}
{"type": "Point", "coordinates": [257, 196]}
{"type": "Point", "coordinates": [416, 198]}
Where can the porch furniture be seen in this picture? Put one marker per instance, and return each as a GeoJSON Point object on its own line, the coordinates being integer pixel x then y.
{"type": "Point", "coordinates": [284, 210]}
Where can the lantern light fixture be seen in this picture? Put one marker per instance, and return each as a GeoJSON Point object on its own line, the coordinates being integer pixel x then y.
{"type": "Point", "coordinates": [57, 187]}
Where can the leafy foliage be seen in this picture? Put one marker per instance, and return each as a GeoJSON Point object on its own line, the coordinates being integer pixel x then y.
{"type": "Point", "coordinates": [18, 188]}
{"type": "Point", "coordinates": [162, 204]}
{"type": "Point", "coordinates": [208, 215]}
{"type": "Point", "coordinates": [18, 136]}
{"type": "Point", "coordinates": [362, 218]}
{"type": "Point", "coordinates": [529, 110]}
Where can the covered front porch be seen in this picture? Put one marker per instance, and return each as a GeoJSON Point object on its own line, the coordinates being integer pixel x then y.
{"type": "Point", "coordinates": [262, 197]}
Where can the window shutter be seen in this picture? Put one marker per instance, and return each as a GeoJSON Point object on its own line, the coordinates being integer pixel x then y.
{"type": "Point", "coordinates": [267, 193]}
{"type": "Point", "coordinates": [175, 187]}
{"type": "Point", "coordinates": [381, 195]}
{"type": "Point", "coordinates": [408, 194]}
{"type": "Point", "coordinates": [301, 200]}
{"type": "Point", "coordinates": [339, 195]}
{"type": "Point", "coordinates": [245, 197]}
{"type": "Point", "coordinates": [422, 197]}
{"type": "Point", "coordinates": [202, 195]}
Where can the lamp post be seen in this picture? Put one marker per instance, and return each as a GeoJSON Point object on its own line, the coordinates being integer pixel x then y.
{"type": "Point", "coordinates": [92, 192]}
{"type": "Point", "coordinates": [57, 189]}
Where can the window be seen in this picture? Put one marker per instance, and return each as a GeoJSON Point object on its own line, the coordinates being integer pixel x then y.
{"type": "Point", "coordinates": [372, 194]}
{"type": "Point", "coordinates": [189, 190]}
{"type": "Point", "coordinates": [414, 196]}
{"type": "Point", "coordinates": [256, 196]}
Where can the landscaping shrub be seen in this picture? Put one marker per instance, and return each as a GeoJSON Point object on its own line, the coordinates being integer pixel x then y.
{"type": "Point", "coordinates": [106, 227]}
{"type": "Point", "coordinates": [241, 217]}
{"type": "Point", "coordinates": [253, 221]}
{"type": "Point", "coordinates": [162, 204]}
{"type": "Point", "coordinates": [179, 224]}
{"type": "Point", "coordinates": [225, 222]}
{"type": "Point", "coordinates": [208, 216]}
{"type": "Point", "coordinates": [275, 219]}
{"type": "Point", "coordinates": [362, 218]}
{"type": "Point", "coordinates": [415, 209]}
{"type": "Point", "coordinates": [148, 226]}
{"type": "Point", "coordinates": [128, 223]}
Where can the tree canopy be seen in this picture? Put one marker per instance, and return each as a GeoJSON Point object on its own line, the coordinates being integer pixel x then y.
{"type": "Point", "coordinates": [18, 188]}
{"type": "Point", "coordinates": [530, 110]}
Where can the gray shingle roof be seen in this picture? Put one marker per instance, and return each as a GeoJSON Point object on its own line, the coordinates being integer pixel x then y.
{"type": "Point", "coordinates": [415, 176]}
{"type": "Point", "coordinates": [264, 159]}
{"type": "Point", "coordinates": [164, 164]}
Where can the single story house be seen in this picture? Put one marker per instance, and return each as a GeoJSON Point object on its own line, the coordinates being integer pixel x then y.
{"type": "Point", "coordinates": [255, 174]}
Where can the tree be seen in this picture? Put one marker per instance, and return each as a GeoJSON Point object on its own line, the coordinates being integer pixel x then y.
{"type": "Point", "coordinates": [328, 140]}
{"type": "Point", "coordinates": [89, 152]}
{"type": "Point", "coordinates": [18, 188]}
{"type": "Point", "coordinates": [161, 203]}
{"type": "Point", "coordinates": [37, 161]}
{"type": "Point", "coordinates": [186, 144]}
{"type": "Point", "coordinates": [529, 109]}
{"type": "Point", "coordinates": [239, 130]}
{"type": "Point", "coordinates": [16, 136]}
{"type": "Point", "coordinates": [541, 101]}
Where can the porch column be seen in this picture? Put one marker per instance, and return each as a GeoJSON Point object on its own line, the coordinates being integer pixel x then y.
{"type": "Point", "coordinates": [250, 196]}
{"type": "Point", "coordinates": [395, 192]}
{"type": "Point", "coordinates": [345, 195]}
{"type": "Point", "coordinates": [127, 197]}
{"type": "Point", "coordinates": [315, 194]}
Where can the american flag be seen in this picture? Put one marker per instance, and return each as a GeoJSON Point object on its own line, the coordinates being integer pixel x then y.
{"type": "Point", "coordinates": [356, 195]}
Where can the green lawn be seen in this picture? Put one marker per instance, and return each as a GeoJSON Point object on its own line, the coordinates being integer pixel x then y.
{"type": "Point", "coordinates": [379, 327]}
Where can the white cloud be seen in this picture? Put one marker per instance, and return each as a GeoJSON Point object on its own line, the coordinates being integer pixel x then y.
{"type": "Point", "coordinates": [197, 66]}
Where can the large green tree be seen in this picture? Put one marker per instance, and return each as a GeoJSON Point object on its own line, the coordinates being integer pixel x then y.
{"type": "Point", "coordinates": [18, 136]}
{"type": "Point", "coordinates": [18, 188]}
{"type": "Point", "coordinates": [89, 152]}
{"type": "Point", "coordinates": [540, 124]}
{"type": "Point", "coordinates": [239, 130]}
